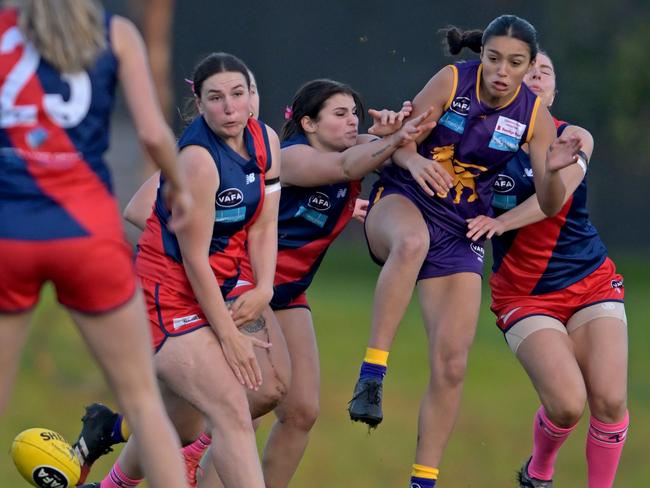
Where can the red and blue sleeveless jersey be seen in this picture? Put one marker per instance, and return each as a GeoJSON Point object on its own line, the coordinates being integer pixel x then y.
{"type": "Point", "coordinates": [308, 222]}
{"type": "Point", "coordinates": [54, 130]}
{"type": "Point", "coordinates": [237, 204]}
{"type": "Point", "coordinates": [549, 255]}
{"type": "Point", "coordinates": [472, 141]}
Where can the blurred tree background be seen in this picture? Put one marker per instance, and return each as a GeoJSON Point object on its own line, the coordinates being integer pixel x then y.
{"type": "Point", "coordinates": [388, 50]}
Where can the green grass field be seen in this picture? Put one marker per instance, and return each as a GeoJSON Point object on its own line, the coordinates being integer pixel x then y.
{"type": "Point", "coordinates": [492, 436]}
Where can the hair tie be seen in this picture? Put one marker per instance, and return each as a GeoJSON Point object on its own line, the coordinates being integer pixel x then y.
{"type": "Point", "coordinates": [191, 83]}
{"type": "Point", "coordinates": [288, 112]}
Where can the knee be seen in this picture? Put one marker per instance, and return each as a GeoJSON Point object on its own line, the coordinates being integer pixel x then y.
{"type": "Point", "coordinates": [231, 412]}
{"type": "Point", "coordinates": [269, 396]}
{"type": "Point", "coordinates": [451, 368]}
{"type": "Point", "coordinates": [567, 412]}
{"type": "Point", "coordinates": [301, 415]}
{"type": "Point", "coordinates": [609, 408]}
{"type": "Point", "coordinates": [410, 247]}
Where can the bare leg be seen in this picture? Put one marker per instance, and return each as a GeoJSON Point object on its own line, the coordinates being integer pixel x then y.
{"type": "Point", "coordinates": [548, 358]}
{"type": "Point", "coordinates": [398, 235]}
{"type": "Point", "coordinates": [298, 411]}
{"type": "Point", "coordinates": [601, 351]}
{"type": "Point", "coordinates": [121, 334]}
{"type": "Point", "coordinates": [13, 334]}
{"type": "Point", "coordinates": [194, 367]}
{"type": "Point", "coordinates": [450, 307]}
{"type": "Point", "coordinates": [278, 375]}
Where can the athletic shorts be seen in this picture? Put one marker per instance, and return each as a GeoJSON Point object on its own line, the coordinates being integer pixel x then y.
{"type": "Point", "coordinates": [448, 253]}
{"type": "Point", "coordinates": [598, 295]}
{"type": "Point", "coordinates": [91, 274]}
{"type": "Point", "coordinates": [246, 282]}
{"type": "Point", "coordinates": [171, 313]}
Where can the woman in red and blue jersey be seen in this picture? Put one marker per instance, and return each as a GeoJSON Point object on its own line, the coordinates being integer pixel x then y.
{"type": "Point", "coordinates": [416, 224]}
{"type": "Point", "coordinates": [60, 62]}
{"type": "Point", "coordinates": [559, 302]}
{"type": "Point", "coordinates": [204, 360]}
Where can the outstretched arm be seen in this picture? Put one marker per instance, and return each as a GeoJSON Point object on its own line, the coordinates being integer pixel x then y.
{"type": "Point", "coordinates": [529, 211]}
{"type": "Point", "coordinates": [302, 165]}
{"type": "Point", "coordinates": [548, 156]}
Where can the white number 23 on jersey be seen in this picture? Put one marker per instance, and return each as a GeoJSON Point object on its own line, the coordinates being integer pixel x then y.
{"type": "Point", "coordinates": [65, 114]}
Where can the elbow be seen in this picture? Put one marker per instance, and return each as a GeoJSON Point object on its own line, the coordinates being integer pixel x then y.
{"type": "Point", "coordinates": [156, 137]}
{"type": "Point", "coordinates": [550, 208]}
{"type": "Point", "coordinates": [347, 174]}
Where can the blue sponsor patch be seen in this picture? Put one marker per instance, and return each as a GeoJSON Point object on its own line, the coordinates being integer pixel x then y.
{"type": "Point", "coordinates": [312, 216]}
{"type": "Point", "coordinates": [505, 202]}
{"type": "Point", "coordinates": [504, 142]}
{"type": "Point", "coordinates": [230, 215]}
{"type": "Point", "coordinates": [453, 121]}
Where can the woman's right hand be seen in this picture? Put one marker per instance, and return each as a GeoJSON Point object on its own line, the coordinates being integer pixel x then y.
{"type": "Point", "coordinates": [430, 175]}
{"type": "Point", "coordinates": [238, 350]}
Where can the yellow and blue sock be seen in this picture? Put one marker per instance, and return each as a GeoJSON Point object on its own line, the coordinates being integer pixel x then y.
{"type": "Point", "coordinates": [423, 476]}
{"type": "Point", "coordinates": [121, 431]}
{"type": "Point", "coordinates": [375, 364]}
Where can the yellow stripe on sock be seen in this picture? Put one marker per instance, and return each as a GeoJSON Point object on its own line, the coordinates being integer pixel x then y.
{"type": "Point", "coordinates": [376, 356]}
{"type": "Point", "coordinates": [425, 472]}
{"type": "Point", "coordinates": [124, 430]}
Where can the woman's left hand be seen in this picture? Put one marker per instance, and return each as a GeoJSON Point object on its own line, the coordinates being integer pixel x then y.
{"type": "Point", "coordinates": [484, 226]}
{"type": "Point", "coordinates": [386, 122]}
{"type": "Point", "coordinates": [249, 306]}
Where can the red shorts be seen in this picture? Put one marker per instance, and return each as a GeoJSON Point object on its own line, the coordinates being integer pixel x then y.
{"type": "Point", "coordinates": [602, 285]}
{"type": "Point", "coordinates": [246, 282]}
{"type": "Point", "coordinates": [171, 313]}
{"type": "Point", "coordinates": [92, 274]}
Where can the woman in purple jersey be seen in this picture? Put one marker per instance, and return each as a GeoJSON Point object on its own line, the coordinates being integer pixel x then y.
{"type": "Point", "coordinates": [76, 48]}
{"type": "Point", "coordinates": [416, 224]}
{"type": "Point", "coordinates": [571, 335]}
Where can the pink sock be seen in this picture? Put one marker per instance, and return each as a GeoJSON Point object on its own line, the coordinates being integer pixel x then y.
{"type": "Point", "coordinates": [196, 449]}
{"type": "Point", "coordinates": [604, 446]}
{"type": "Point", "coordinates": [117, 479]}
{"type": "Point", "coordinates": [547, 440]}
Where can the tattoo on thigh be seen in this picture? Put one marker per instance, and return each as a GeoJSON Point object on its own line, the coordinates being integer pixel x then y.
{"type": "Point", "coordinates": [254, 326]}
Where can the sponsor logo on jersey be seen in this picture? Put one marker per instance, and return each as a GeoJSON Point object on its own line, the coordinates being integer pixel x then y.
{"type": "Point", "coordinates": [231, 197]}
{"type": "Point", "coordinates": [319, 201]}
{"type": "Point", "coordinates": [453, 121]}
{"type": "Point", "coordinates": [507, 134]}
{"type": "Point", "coordinates": [528, 172]}
{"type": "Point", "coordinates": [342, 192]}
{"type": "Point", "coordinates": [503, 184]}
{"type": "Point", "coordinates": [181, 321]}
{"type": "Point", "coordinates": [461, 105]}
{"type": "Point", "coordinates": [250, 178]}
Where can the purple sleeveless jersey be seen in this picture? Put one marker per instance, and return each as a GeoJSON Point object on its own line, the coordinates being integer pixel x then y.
{"type": "Point", "coordinates": [472, 142]}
